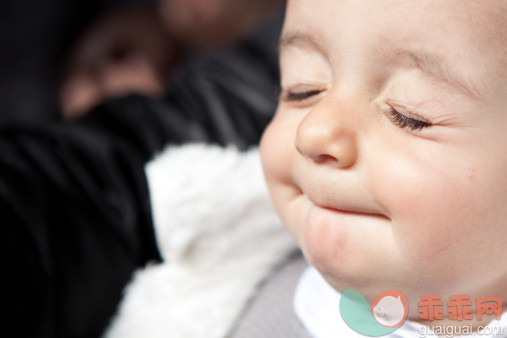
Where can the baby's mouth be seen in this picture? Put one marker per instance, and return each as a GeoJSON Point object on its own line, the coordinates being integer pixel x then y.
{"type": "Point", "coordinates": [349, 212]}
{"type": "Point", "coordinates": [345, 209]}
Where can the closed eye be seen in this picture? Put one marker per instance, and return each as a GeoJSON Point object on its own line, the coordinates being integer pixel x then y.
{"type": "Point", "coordinates": [404, 121]}
{"type": "Point", "coordinates": [297, 96]}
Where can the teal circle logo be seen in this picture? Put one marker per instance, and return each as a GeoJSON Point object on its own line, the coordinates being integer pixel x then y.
{"type": "Point", "coordinates": [387, 313]}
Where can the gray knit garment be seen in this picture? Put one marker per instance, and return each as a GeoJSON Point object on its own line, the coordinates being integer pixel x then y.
{"type": "Point", "coordinates": [271, 314]}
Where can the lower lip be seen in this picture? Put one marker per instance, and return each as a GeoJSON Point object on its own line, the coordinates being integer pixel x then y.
{"type": "Point", "coordinates": [327, 216]}
{"type": "Point", "coordinates": [337, 217]}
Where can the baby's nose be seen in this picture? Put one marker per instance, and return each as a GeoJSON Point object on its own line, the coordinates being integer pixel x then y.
{"type": "Point", "coordinates": [326, 136]}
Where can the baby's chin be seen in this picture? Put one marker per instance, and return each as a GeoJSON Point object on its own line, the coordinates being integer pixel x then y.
{"type": "Point", "coordinates": [368, 278]}
{"type": "Point", "coordinates": [340, 255]}
{"type": "Point", "coordinates": [370, 288]}
{"type": "Point", "coordinates": [351, 251]}
{"type": "Point", "coordinates": [344, 271]}
{"type": "Point", "coordinates": [346, 266]}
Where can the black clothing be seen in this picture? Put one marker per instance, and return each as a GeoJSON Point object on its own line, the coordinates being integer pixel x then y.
{"type": "Point", "coordinates": [74, 204]}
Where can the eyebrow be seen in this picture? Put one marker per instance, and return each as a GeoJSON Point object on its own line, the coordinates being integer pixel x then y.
{"type": "Point", "coordinates": [301, 40]}
{"type": "Point", "coordinates": [432, 66]}
{"type": "Point", "coordinates": [427, 63]}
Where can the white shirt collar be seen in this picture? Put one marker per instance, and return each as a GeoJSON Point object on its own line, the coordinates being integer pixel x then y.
{"type": "Point", "coordinates": [317, 306]}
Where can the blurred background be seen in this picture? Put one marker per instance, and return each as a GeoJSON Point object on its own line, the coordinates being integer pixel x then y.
{"type": "Point", "coordinates": [89, 223]}
{"type": "Point", "coordinates": [61, 57]}
{"type": "Point", "coordinates": [35, 36]}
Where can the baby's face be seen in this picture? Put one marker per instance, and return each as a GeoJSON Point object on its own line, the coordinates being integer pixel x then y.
{"type": "Point", "coordinates": [387, 158]}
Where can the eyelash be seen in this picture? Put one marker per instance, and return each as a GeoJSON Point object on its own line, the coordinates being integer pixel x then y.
{"type": "Point", "coordinates": [395, 116]}
{"type": "Point", "coordinates": [403, 121]}
{"type": "Point", "coordinates": [300, 96]}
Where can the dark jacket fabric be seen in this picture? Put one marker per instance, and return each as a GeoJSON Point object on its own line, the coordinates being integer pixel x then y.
{"type": "Point", "coordinates": [74, 204]}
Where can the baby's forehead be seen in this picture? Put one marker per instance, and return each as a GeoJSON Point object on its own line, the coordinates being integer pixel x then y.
{"type": "Point", "coordinates": [468, 35]}
{"type": "Point", "coordinates": [487, 19]}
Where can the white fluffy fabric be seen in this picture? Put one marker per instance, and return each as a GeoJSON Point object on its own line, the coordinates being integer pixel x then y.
{"type": "Point", "coordinates": [219, 237]}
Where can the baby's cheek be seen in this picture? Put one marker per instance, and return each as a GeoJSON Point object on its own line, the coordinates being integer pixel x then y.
{"type": "Point", "coordinates": [440, 225]}
{"type": "Point", "coordinates": [428, 217]}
